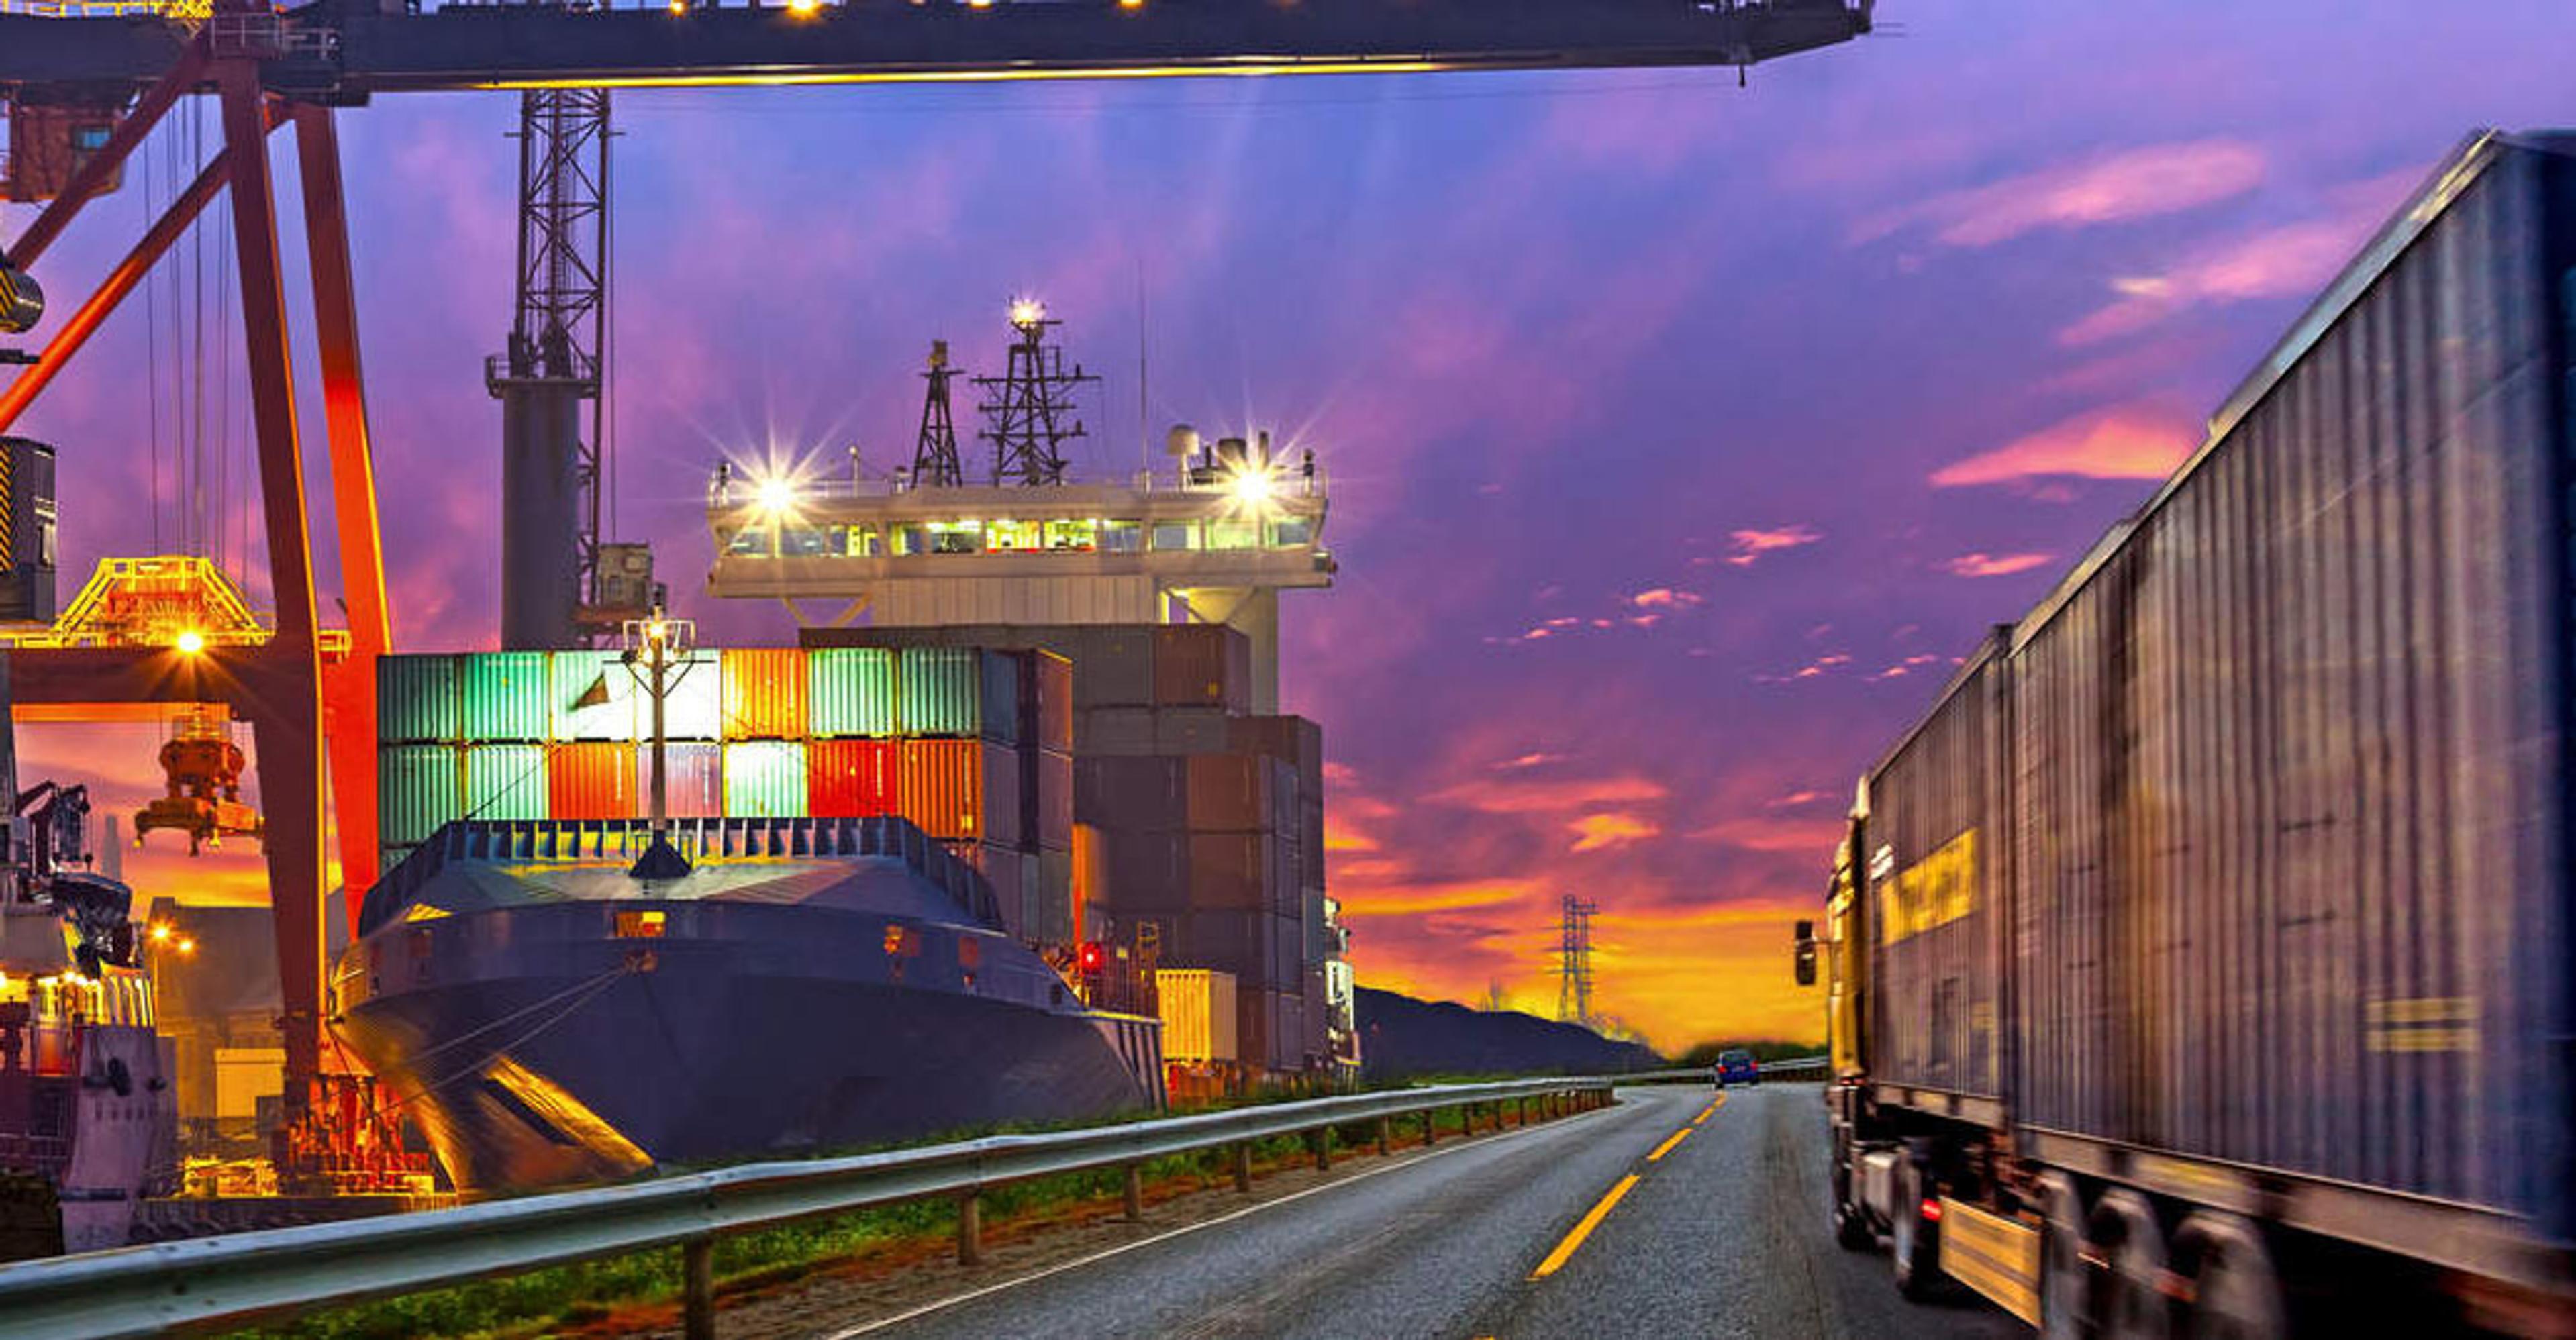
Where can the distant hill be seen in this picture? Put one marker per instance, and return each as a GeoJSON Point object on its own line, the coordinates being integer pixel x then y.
{"type": "Point", "coordinates": [1402, 1037]}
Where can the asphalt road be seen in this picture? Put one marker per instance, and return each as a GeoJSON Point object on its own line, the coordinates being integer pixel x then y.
{"type": "Point", "coordinates": [1724, 1234]}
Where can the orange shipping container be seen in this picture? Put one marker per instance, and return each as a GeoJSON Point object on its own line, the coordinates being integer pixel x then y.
{"type": "Point", "coordinates": [591, 781]}
{"type": "Point", "coordinates": [764, 693]}
{"type": "Point", "coordinates": [961, 790]}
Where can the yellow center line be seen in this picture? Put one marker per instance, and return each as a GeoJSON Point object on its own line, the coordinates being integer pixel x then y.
{"type": "Point", "coordinates": [1591, 1220]}
{"type": "Point", "coordinates": [1709, 1111]}
{"type": "Point", "coordinates": [1667, 1146]}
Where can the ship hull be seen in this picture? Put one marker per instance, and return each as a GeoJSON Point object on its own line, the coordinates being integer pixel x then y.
{"type": "Point", "coordinates": [775, 1031]}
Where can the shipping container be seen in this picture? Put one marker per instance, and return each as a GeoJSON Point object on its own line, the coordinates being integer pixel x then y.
{"type": "Point", "coordinates": [505, 781]}
{"type": "Point", "coordinates": [1234, 871]}
{"type": "Point", "coordinates": [1046, 701]}
{"type": "Point", "coordinates": [503, 696]}
{"type": "Point", "coordinates": [960, 692]}
{"type": "Point", "coordinates": [2239, 871]}
{"type": "Point", "coordinates": [1234, 793]}
{"type": "Point", "coordinates": [592, 780]}
{"type": "Point", "coordinates": [961, 789]}
{"type": "Point", "coordinates": [764, 693]}
{"type": "Point", "coordinates": [692, 700]}
{"type": "Point", "coordinates": [851, 691]}
{"type": "Point", "coordinates": [1113, 732]}
{"type": "Point", "coordinates": [1144, 794]}
{"type": "Point", "coordinates": [1113, 666]}
{"type": "Point", "coordinates": [1189, 730]}
{"type": "Point", "coordinates": [1296, 740]}
{"type": "Point", "coordinates": [418, 788]}
{"type": "Point", "coordinates": [1934, 881]}
{"type": "Point", "coordinates": [1144, 870]}
{"type": "Point", "coordinates": [852, 778]}
{"type": "Point", "coordinates": [1060, 907]}
{"type": "Point", "coordinates": [764, 779]}
{"type": "Point", "coordinates": [1202, 665]}
{"type": "Point", "coordinates": [693, 775]}
{"type": "Point", "coordinates": [1199, 1014]}
{"type": "Point", "coordinates": [417, 700]}
{"type": "Point", "coordinates": [591, 696]}
{"type": "Point", "coordinates": [1049, 822]}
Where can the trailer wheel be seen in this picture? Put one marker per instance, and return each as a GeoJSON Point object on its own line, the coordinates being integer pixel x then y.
{"type": "Point", "coordinates": [2236, 1295]}
{"type": "Point", "coordinates": [1852, 1231]}
{"type": "Point", "coordinates": [2063, 1314]}
{"type": "Point", "coordinates": [1914, 1242]}
{"type": "Point", "coordinates": [2128, 1300]}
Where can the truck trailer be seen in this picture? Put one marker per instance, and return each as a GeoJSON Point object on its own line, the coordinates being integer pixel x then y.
{"type": "Point", "coordinates": [2204, 963]}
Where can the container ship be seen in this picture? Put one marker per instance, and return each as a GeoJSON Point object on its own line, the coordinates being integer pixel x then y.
{"type": "Point", "coordinates": [848, 932]}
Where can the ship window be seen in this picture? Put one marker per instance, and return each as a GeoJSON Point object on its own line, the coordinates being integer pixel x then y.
{"type": "Point", "coordinates": [908, 540]}
{"type": "Point", "coordinates": [1080, 535]}
{"type": "Point", "coordinates": [1176, 535]}
{"type": "Point", "coordinates": [800, 542]}
{"type": "Point", "coordinates": [1012, 536]}
{"type": "Point", "coordinates": [1289, 532]}
{"type": "Point", "coordinates": [749, 542]}
{"type": "Point", "coordinates": [640, 925]}
{"type": "Point", "coordinates": [853, 542]}
{"type": "Point", "coordinates": [1122, 537]}
{"type": "Point", "coordinates": [956, 537]}
{"type": "Point", "coordinates": [1243, 533]}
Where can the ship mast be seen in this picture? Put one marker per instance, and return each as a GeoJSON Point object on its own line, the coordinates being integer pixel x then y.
{"type": "Point", "coordinates": [651, 646]}
{"type": "Point", "coordinates": [1027, 406]}
{"type": "Point", "coordinates": [934, 453]}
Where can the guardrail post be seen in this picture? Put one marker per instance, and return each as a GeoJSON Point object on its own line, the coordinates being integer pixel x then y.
{"type": "Point", "coordinates": [1135, 1192]}
{"type": "Point", "coordinates": [1385, 1136]}
{"type": "Point", "coordinates": [1430, 1127]}
{"type": "Point", "coordinates": [1243, 1167]}
{"type": "Point", "coordinates": [970, 1229]}
{"type": "Point", "coordinates": [1323, 1149]}
{"type": "Point", "coordinates": [698, 1289]}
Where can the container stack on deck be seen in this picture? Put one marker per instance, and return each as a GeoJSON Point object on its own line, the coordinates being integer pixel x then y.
{"type": "Point", "coordinates": [1204, 822]}
{"type": "Point", "coordinates": [971, 745]}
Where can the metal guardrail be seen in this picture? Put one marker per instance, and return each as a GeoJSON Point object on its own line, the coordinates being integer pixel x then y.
{"type": "Point", "coordinates": [1799, 1067]}
{"type": "Point", "coordinates": [237, 1278]}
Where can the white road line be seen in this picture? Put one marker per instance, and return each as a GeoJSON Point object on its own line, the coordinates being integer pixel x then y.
{"type": "Point", "coordinates": [1561, 1123]}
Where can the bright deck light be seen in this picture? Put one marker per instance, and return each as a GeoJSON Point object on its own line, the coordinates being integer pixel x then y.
{"type": "Point", "coordinates": [191, 642]}
{"type": "Point", "coordinates": [1027, 311]}
{"type": "Point", "coordinates": [775, 496]}
{"type": "Point", "coordinates": [1252, 488]}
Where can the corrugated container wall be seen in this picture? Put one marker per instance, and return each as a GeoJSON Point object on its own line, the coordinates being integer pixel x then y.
{"type": "Point", "coordinates": [693, 705]}
{"type": "Point", "coordinates": [1199, 1014]}
{"type": "Point", "coordinates": [593, 780]}
{"type": "Point", "coordinates": [851, 691]}
{"type": "Point", "coordinates": [2290, 763]}
{"type": "Point", "coordinates": [764, 779]}
{"type": "Point", "coordinates": [417, 700]}
{"type": "Point", "coordinates": [1046, 701]}
{"type": "Point", "coordinates": [1936, 909]}
{"type": "Point", "coordinates": [504, 695]}
{"type": "Point", "coordinates": [945, 786]}
{"type": "Point", "coordinates": [943, 692]}
{"type": "Point", "coordinates": [1202, 665]}
{"type": "Point", "coordinates": [592, 697]}
{"type": "Point", "coordinates": [418, 788]}
{"type": "Point", "coordinates": [694, 774]}
{"type": "Point", "coordinates": [764, 693]}
{"type": "Point", "coordinates": [852, 778]}
{"type": "Point", "coordinates": [505, 781]}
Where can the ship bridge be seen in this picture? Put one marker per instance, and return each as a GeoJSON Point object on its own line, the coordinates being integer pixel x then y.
{"type": "Point", "coordinates": [1213, 539]}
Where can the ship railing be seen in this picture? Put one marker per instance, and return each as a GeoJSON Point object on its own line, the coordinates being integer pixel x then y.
{"type": "Point", "coordinates": [571, 841]}
{"type": "Point", "coordinates": [234, 1279]}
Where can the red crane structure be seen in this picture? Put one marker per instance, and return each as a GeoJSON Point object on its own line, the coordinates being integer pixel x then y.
{"type": "Point", "coordinates": [269, 69]}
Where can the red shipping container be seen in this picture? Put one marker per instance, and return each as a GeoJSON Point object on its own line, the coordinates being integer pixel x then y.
{"type": "Point", "coordinates": [696, 779]}
{"type": "Point", "coordinates": [945, 785]}
{"type": "Point", "coordinates": [591, 781]}
{"type": "Point", "coordinates": [764, 693]}
{"type": "Point", "coordinates": [849, 779]}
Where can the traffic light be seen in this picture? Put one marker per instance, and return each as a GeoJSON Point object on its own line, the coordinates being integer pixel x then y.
{"type": "Point", "coordinates": [1091, 958]}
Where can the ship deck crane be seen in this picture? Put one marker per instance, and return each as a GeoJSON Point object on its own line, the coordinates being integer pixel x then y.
{"type": "Point", "coordinates": [268, 69]}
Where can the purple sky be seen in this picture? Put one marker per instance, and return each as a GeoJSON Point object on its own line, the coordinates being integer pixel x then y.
{"type": "Point", "coordinates": [1679, 433]}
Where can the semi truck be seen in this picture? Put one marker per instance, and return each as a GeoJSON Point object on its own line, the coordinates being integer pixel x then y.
{"type": "Point", "coordinates": [2204, 962]}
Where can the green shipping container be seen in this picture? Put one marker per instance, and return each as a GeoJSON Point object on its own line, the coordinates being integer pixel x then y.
{"type": "Point", "coordinates": [416, 699]}
{"type": "Point", "coordinates": [505, 781]}
{"type": "Point", "coordinates": [418, 787]}
{"type": "Point", "coordinates": [505, 695]}
{"type": "Point", "coordinates": [591, 696]}
{"type": "Point", "coordinates": [850, 692]}
{"type": "Point", "coordinates": [694, 707]}
{"type": "Point", "coordinates": [764, 779]}
{"type": "Point", "coordinates": [943, 692]}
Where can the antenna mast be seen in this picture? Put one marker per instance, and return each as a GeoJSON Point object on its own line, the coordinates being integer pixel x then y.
{"type": "Point", "coordinates": [1028, 405]}
{"type": "Point", "coordinates": [934, 453]}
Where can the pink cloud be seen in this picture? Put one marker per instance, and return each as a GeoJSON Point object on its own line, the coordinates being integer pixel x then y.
{"type": "Point", "coordinates": [2280, 262]}
{"type": "Point", "coordinates": [2123, 442]}
{"type": "Point", "coordinates": [1664, 596]}
{"type": "Point", "coordinates": [1749, 545]}
{"type": "Point", "coordinates": [2133, 184]}
{"type": "Point", "coordinates": [1994, 565]}
{"type": "Point", "coordinates": [1550, 797]}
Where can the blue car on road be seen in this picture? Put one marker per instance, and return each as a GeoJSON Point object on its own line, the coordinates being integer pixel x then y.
{"type": "Point", "coordinates": [1736, 1066]}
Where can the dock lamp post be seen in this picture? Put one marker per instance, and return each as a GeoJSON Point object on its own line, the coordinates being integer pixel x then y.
{"type": "Point", "coordinates": [652, 644]}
